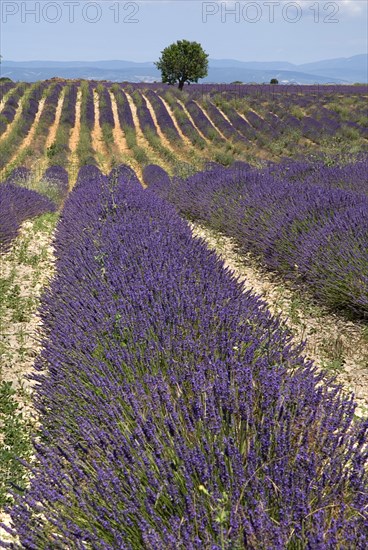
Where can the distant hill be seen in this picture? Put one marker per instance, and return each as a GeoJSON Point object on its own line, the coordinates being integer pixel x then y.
{"type": "Point", "coordinates": [334, 71]}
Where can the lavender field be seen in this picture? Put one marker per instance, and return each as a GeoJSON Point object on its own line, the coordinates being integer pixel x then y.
{"type": "Point", "coordinates": [151, 396]}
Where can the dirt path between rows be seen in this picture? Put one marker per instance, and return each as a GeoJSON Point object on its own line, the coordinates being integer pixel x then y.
{"type": "Point", "coordinates": [164, 140]}
{"type": "Point", "coordinates": [245, 118]}
{"type": "Point", "coordinates": [331, 342]}
{"type": "Point", "coordinates": [6, 97]}
{"type": "Point", "coordinates": [192, 121]}
{"type": "Point", "coordinates": [11, 125]}
{"type": "Point", "coordinates": [185, 139]}
{"type": "Point", "coordinates": [141, 140]}
{"type": "Point", "coordinates": [118, 133]}
{"type": "Point", "coordinates": [98, 143]}
{"type": "Point", "coordinates": [41, 164]}
{"type": "Point", "coordinates": [120, 141]}
{"type": "Point", "coordinates": [140, 137]}
{"type": "Point", "coordinates": [20, 321]}
{"type": "Point", "coordinates": [74, 141]}
{"type": "Point", "coordinates": [54, 127]}
{"type": "Point", "coordinates": [212, 123]}
{"type": "Point", "coordinates": [29, 137]}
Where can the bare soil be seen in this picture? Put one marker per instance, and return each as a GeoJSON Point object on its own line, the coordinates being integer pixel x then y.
{"type": "Point", "coordinates": [29, 137]}
{"type": "Point", "coordinates": [20, 338]}
{"type": "Point", "coordinates": [74, 141]}
{"type": "Point", "coordinates": [97, 138]}
{"type": "Point", "coordinates": [118, 132]}
{"type": "Point", "coordinates": [53, 129]}
{"type": "Point", "coordinates": [120, 141]}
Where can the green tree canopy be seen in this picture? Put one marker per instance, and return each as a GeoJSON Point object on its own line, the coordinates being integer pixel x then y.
{"type": "Point", "coordinates": [183, 62]}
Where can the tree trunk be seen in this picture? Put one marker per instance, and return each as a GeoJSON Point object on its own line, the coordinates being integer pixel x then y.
{"type": "Point", "coordinates": [181, 84]}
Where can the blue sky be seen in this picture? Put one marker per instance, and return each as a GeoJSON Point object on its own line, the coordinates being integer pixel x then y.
{"type": "Point", "coordinates": [298, 31]}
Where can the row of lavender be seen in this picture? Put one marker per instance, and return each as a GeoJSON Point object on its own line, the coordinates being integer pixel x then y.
{"type": "Point", "coordinates": [19, 203]}
{"type": "Point", "coordinates": [315, 171]}
{"type": "Point", "coordinates": [311, 230]}
{"type": "Point", "coordinates": [174, 411]}
{"type": "Point", "coordinates": [11, 104]}
{"type": "Point", "coordinates": [30, 106]}
{"type": "Point", "coordinates": [244, 127]}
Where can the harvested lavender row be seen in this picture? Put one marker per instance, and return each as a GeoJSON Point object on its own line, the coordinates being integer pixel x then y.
{"type": "Point", "coordinates": [174, 411]}
{"type": "Point", "coordinates": [310, 233]}
{"type": "Point", "coordinates": [18, 204]}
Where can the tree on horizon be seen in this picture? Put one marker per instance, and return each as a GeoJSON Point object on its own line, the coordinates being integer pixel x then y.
{"type": "Point", "coordinates": [183, 62]}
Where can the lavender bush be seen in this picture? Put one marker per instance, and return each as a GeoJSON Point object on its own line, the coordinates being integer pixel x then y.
{"type": "Point", "coordinates": [19, 176]}
{"type": "Point", "coordinates": [18, 204]}
{"type": "Point", "coordinates": [23, 124]}
{"type": "Point", "coordinates": [57, 177]}
{"type": "Point", "coordinates": [220, 121]}
{"type": "Point", "coordinates": [145, 119]}
{"type": "Point", "coordinates": [201, 121]}
{"type": "Point", "coordinates": [53, 184]}
{"type": "Point", "coordinates": [59, 151]}
{"type": "Point", "coordinates": [239, 122]}
{"type": "Point", "coordinates": [11, 105]}
{"type": "Point", "coordinates": [175, 412]}
{"type": "Point", "coordinates": [124, 111]}
{"type": "Point", "coordinates": [85, 150]}
{"type": "Point", "coordinates": [315, 171]}
{"type": "Point", "coordinates": [89, 108]}
{"type": "Point", "coordinates": [88, 173]}
{"type": "Point", "coordinates": [278, 220]}
{"type": "Point", "coordinates": [164, 120]}
{"type": "Point", "coordinates": [49, 111]}
{"type": "Point", "coordinates": [106, 115]}
{"type": "Point", "coordinates": [184, 122]}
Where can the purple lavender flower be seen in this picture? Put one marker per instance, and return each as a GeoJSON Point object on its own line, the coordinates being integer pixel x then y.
{"type": "Point", "coordinates": [174, 410]}
{"type": "Point", "coordinates": [18, 204]}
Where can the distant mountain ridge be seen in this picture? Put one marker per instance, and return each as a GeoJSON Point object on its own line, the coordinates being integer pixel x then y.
{"type": "Point", "coordinates": [335, 71]}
